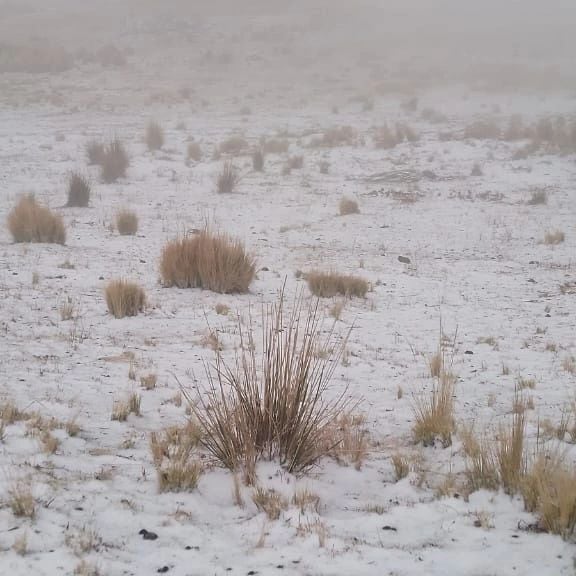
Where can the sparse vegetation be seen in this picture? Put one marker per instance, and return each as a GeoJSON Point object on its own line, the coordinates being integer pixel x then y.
{"type": "Point", "coordinates": [554, 237]}
{"type": "Point", "coordinates": [124, 298]}
{"type": "Point", "coordinates": [193, 152]}
{"type": "Point", "coordinates": [258, 160]}
{"type": "Point", "coordinates": [330, 284]}
{"type": "Point", "coordinates": [233, 146]}
{"type": "Point", "coordinates": [95, 152]}
{"type": "Point", "coordinates": [269, 501]}
{"type": "Point", "coordinates": [28, 221]}
{"type": "Point", "coordinates": [538, 198]}
{"type": "Point", "coordinates": [210, 261]}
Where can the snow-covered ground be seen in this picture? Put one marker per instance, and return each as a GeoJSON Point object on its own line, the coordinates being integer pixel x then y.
{"type": "Point", "coordinates": [479, 271]}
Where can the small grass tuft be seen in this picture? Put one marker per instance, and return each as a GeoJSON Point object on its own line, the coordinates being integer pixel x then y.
{"type": "Point", "coordinates": [126, 222]}
{"type": "Point", "coordinates": [348, 206]}
{"type": "Point", "coordinates": [154, 136]}
{"type": "Point", "coordinates": [78, 191]}
{"type": "Point", "coordinates": [124, 298]}
{"type": "Point", "coordinates": [115, 162]}
{"type": "Point", "coordinates": [227, 179]}
{"type": "Point", "coordinates": [330, 284]}
{"type": "Point", "coordinates": [269, 501]}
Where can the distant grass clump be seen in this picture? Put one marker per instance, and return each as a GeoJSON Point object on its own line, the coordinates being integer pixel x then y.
{"type": "Point", "coordinates": [78, 191]}
{"type": "Point", "coordinates": [194, 152]}
{"type": "Point", "coordinates": [233, 146]}
{"type": "Point", "coordinates": [28, 221]}
{"type": "Point", "coordinates": [348, 206]}
{"type": "Point", "coordinates": [538, 198]}
{"type": "Point", "coordinates": [258, 160]}
{"type": "Point", "coordinates": [126, 222]}
{"type": "Point", "coordinates": [210, 261]}
{"type": "Point", "coordinates": [95, 153]}
{"type": "Point", "coordinates": [124, 298]}
{"type": "Point", "coordinates": [154, 136]}
{"type": "Point", "coordinates": [330, 284]}
{"type": "Point", "coordinates": [115, 162]}
{"type": "Point", "coordinates": [333, 137]}
{"type": "Point", "coordinates": [554, 237]}
{"type": "Point", "coordinates": [228, 179]}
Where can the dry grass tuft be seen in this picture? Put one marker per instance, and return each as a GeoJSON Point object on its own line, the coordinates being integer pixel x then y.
{"type": "Point", "coordinates": [21, 499]}
{"type": "Point", "coordinates": [95, 153]}
{"type": "Point", "coordinates": [269, 501]}
{"type": "Point", "coordinates": [333, 137]}
{"type": "Point", "coordinates": [173, 453]}
{"type": "Point", "coordinates": [227, 179]}
{"type": "Point", "coordinates": [401, 466]}
{"type": "Point", "coordinates": [510, 453]}
{"type": "Point", "coordinates": [554, 237]}
{"type": "Point", "coordinates": [346, 439]}
{"type": "Point", "coordinates": [148, 382]}
{"type": "Point", "coordinates": [154, 136]}
{"type": "Point", "coordinates": [272, 404]}
{"type": "Point", "coordinates": [210, 261]}
{"type": "Point", "coordinates": [348, 206]}
{"type": "Point", "coordinates": [78, 190]}
{"type": "Point", "coordinates": [115, 162]}
{"type": "Point", "coordinates": [126, 222]}
{"type": "Point", "coordinates": [306, 501]}
{"type": "Point", "coordinates": [28, 221]}
{"type": "Point", "coordinates": [481, 464]}
{"type": "Point", "coordinates": [538, 198]}
{"type": "Point", "coordinates": [435, 412]}
{"type": "Point", "coordinates": [330, 284]}
{"type": "Point", "coordinates": [233, 146]}
{"type": "Point", "coordinates": [123, 408]}
{"type": "Point", "coordinates": [124, 298]}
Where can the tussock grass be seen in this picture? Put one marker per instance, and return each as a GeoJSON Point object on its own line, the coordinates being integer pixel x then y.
{"type": "Point", "coordinates": [126, 222]}
{"type": "Point", "coordinates": [538, 198]}
{"type": "Point", "coordinates": [228, 178]}
{"type": "Point", "coordinates": [348, 206]}
{"type": "Point", "coordinates": [306, 501]}
{"type": "Point", "coordinates": [269, 501]}
{"type": "Point", "coordinates": [115, 162]}
{"type": "Point", "coordinates": [554, 237]}
{"type": "Point", "coordinates": [272, 403]}
{"type": "Point", "coordinates": [330, 284]}
{"type": "Point", "coordinates": [21, 499]}
{"type": "Point", "coordinates": [78, 190]}
{"type": "Point", "coordinates": [275, 146]}
{"type": "Point", "coordinates": [95, 152]}
{"type": "Point", "coordinates": [434, 412]}
{"type": "Point", "coordinates": [123, 408]}
{"type": "Point", "coordinates": [258, 160]}
{"type": "Point", "coordinates": [401, 465]}
{"type": "Point", "coordinates": [194, 152]}
{"type": "Point", "coordinates": [233, 146]}
{"type": "Point", "coordinates": [154, 136]}
{"type": "Point", "coordinates": [333, 137]}
{"type": "Point", "coordinates": [174, 454]}
{"type": "Point", "coordinates": [346, 439]}
{"type": "Point", "coordinates": [210, 261]}
{"type": "Point", "coordinates": [124, 298]}
{"type": "Point", "coordinates": [28, 221]}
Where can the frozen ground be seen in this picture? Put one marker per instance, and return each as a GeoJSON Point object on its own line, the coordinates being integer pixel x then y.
{"type": "Point", "coordinates": [479, 271]}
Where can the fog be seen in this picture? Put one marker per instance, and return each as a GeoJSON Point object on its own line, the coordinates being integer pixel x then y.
{"type": "Point", "coordinates": [421, 42]}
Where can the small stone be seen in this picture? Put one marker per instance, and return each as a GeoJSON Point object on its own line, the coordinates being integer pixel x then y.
{"type": "Point", "coordinates": [148, 535]}
{"type": "Point", "coordinates": [163, 570]}
{"type": "Point", "coordinates": [404, 259]}
{"type": "Point", "coordinates": [468, 352]}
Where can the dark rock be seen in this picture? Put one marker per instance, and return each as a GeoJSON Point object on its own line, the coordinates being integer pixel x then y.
{"type": "Point", "coordinates": [163, 570]}
{"type": "Point", "coordinates": [148, 535]}
{"type": "Point", "coordinates": [404, 259]}
{"type": "Point", "coordinates": [468, 352]}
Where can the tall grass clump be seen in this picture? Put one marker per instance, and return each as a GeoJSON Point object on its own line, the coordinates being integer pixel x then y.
{"type": "Point", "coordinates": [115, 162]}
{"type": "Point", "coordinates": [227, 178]}
{"type": "Point", "coordinates": [29, 221]}
{"type": "Point", "coordinates": [78, 191]}
{"type": "Point", "coordinates": [272, 402]}
{"type": "Point", "coordinates": [126, 222]}
{"type": "Point", "coordinates": [210, 261]}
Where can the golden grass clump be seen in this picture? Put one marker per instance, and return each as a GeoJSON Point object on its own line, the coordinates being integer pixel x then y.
{"type": "Point", "coordinates": [330, 284]}
{"type": "Point", "coordinates": [348, 206]}
{"type": "Point", "coordinates": [114, 162]}
{"type": "Point", "coordinates": [227, 179]}
{"type": "Point", "coordinates": [269, 501]}
{"type": "Point", "coordinates": [554, 237]}
{"type": "Point", "coordinates": [435, 413]}
{"type": "Point", "coordinates": [28, 221]}
{"type": "Point", "coordinates": [271, 402]}
{"type": "Point", "coordinates": [124, 298]}
{"type": "Point", "coordinates": [126, 222]}
{"type": "Point", "coordinates": [210, 261]}
{"type": "Point", "coordinates": [21, 499]}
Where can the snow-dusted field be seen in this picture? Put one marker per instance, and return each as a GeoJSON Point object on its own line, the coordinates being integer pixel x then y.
{"type": "Point", "coordinates": [479, 272]}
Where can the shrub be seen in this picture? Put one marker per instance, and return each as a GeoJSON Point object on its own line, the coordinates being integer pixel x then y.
{"type": "Point", "coordinates": [210, 261]}
{"type": "Point", "coordinates": [126, 222]}
{"type": "Point", "coordinates": [115, 162]}
{"type": "Point", "coordinates": [538, 198]}
{"type": "Point", "coordinates": [348, 206]}
{"type": "Point", "coordinates": [28, 221]}
{"type": "Point", "coordinates": [258, 160]}
{"type": "Point", "coordinates": [330, 284]}
{"type": "Point", "coordinates": [333, 137]}
{"type": "Point", "coordinates": [227, 179]}
{"type": "Point", "coordinates": [95, 152]}
{"type": "Point", "coordinates": [275, 146]}
{"type": "Point", "coordinates": [78, 191]}
{"type": "Point", "coordinates": [154, 136]}
{"type": "Point", "coordinates": [555, 237]}
{"type": "Point", "coordinates": [272, 404]}
{"type": "Point", "coordinates": [194, 152]}
{"type": "Point", "coordinates": [124, 298]}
